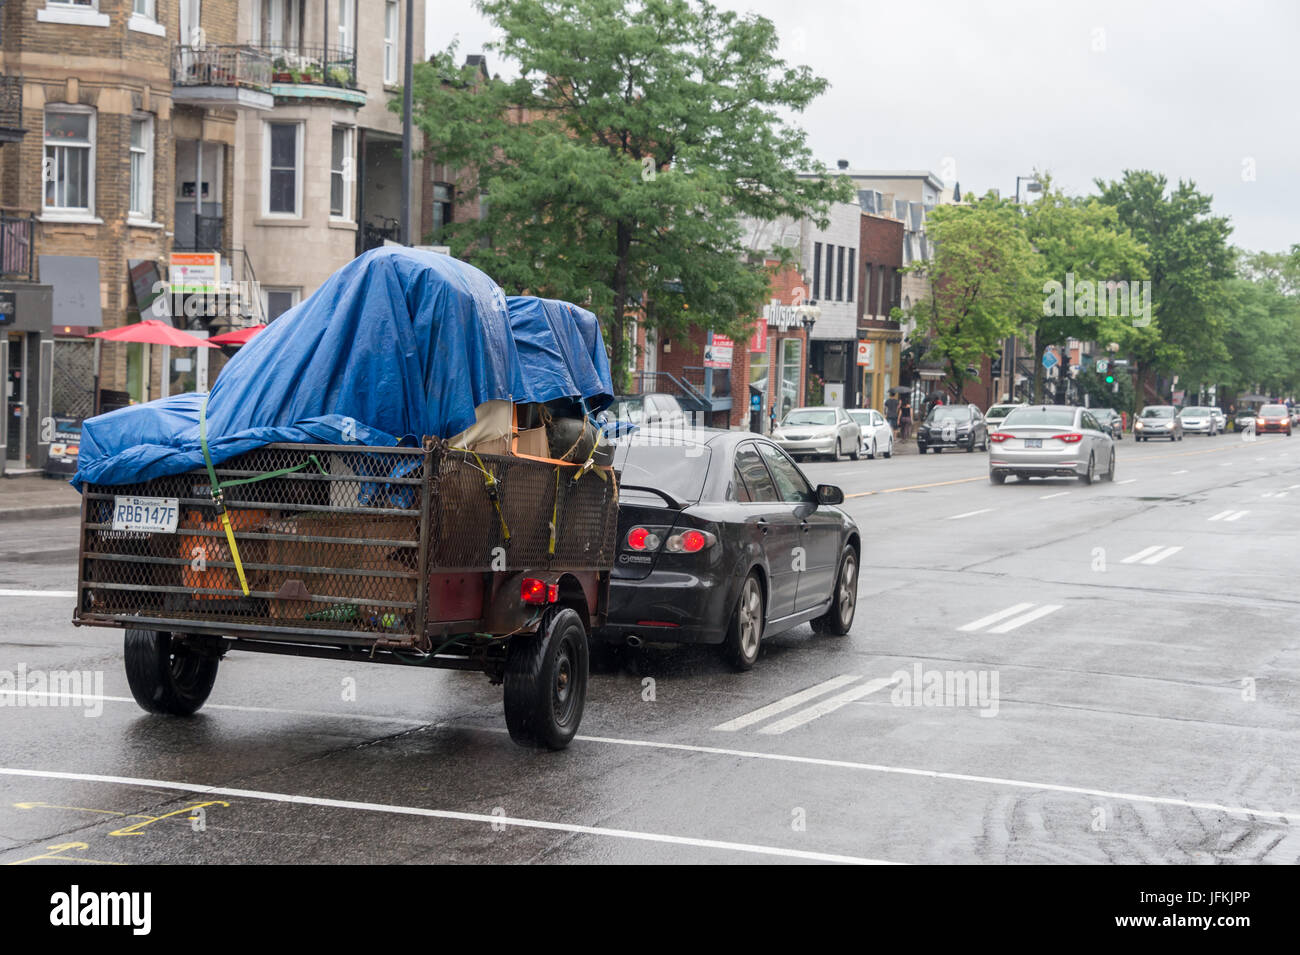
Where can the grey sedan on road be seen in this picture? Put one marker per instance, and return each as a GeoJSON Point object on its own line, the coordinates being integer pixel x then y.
{"type": "Point", "coordinates": [819, 431]}
{"type": "Point", "coordinates": [1199, 420]}
{"type": "Point", "coordinates": [1158, 421]}
{"type": "Point", "coordinates": [1051, 441]}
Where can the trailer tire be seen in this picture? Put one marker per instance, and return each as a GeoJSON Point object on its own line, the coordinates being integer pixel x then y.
{"type": "Point", "coordinates": [166, 677]}
{"type": "Point", "coordinates": [546, 682]}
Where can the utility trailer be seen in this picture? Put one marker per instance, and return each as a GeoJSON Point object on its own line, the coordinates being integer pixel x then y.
{"type": "Point", "coordinates": [433, 556]}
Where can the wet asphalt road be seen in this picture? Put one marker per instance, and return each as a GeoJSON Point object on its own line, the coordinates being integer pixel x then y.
{"type": "Point", "coordinates": [1137, 642]}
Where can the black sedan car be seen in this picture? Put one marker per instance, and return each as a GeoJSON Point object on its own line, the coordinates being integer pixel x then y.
{"type": "Point", "coordinates": [722, 540]}
{"type": "Point", "coordinates": [952, 426]}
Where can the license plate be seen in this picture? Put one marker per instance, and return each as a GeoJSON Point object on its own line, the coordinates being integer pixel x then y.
{"type": "Point", "coordinates": [1033, 442]}
{"type": "Point", "coordinates": [151, 515]}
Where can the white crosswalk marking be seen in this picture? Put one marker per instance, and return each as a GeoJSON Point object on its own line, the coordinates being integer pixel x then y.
{"type": "Point", "coordinates": [1023, 619]}
{"type": "Point", "coordinates": [795, 720]}
{"type": "Point", "coordinates": [1167, 552]}
{"type": "Point", "coordinates": [1145, 552]}
{"type": "Point", "coordinates": [1220, 516]}
{"type": "Point", "coordinates": [1237, 516]}
{"type": "Point", "coordinates": [785, 703]}
{"type": "Point", "coordinates": [994, 617]}
{"type": "Point", "coordinates": [1229, 515]}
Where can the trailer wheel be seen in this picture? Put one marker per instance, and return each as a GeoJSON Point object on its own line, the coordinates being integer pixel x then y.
{"type": "Point", "coordinates": [164, 675]}
{"type": "Point", "coordinates": [546, 682]}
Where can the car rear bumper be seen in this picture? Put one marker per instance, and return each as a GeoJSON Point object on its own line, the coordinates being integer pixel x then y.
{"type": "Point", "coordinates": [668, 607]}
{"type": "Point", "coordinates": [1061, 462]}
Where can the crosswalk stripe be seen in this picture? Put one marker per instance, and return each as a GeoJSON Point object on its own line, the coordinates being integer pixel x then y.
{"type": "Point", "coordinates": [1145, 552]}
{"type": "Point", "coordinates": [1220, 516]}
{"type": "Point", "coordinates": [786, 703]}
{"type": "Point", "coordinates": [795, 720]}
{"type": "Point", "coordinates": [1237, 516]}
{"type": "Point", "coordinates": [995, 617]}
{"type": "Point", "coordinates": [1167, 552]}
{"type": "Point", "coordinates": [1023, 619]}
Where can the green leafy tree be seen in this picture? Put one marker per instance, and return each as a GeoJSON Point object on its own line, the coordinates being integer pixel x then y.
{"type": "Point", "coordinates": [983, 273]}
{"type": "Point", "coordinates": [1189, 261]}
{"type": "Point", "coordinates": [1083, 249]}
{"type": "Point", "coordinates": [616, 169]}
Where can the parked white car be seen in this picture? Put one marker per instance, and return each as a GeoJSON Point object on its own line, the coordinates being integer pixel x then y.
{"type": "Point", "coordinates": [877, 435]}
{"type": "Point", "coordinates": [823, 430]}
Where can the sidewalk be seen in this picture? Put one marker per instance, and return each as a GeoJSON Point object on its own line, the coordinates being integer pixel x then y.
{"type": "Point", "coordinates": [32, 496]}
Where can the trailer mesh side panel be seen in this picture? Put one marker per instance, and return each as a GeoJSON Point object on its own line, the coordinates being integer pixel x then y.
{"type": "Point", "coordinates": [332, 546]}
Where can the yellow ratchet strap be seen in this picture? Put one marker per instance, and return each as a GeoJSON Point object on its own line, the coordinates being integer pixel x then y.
{"type": "Point", "coordinates": [218, 496]}
{"type": "Point", "coordinates": [494, 492]}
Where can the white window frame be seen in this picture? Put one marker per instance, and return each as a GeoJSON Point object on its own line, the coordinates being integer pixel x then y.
{"type": "Point", "coordinates": [346, 27]}
{"type": "Point", "coordinates": [71, 212]}
{"type": "Point", "coordinates": [77, 12]}
{"type": "Point", "coordinates": [348, 172]}
{"type": "Point", "coordinates": [144, 18]}
{"type": "Point", "coordinates": [393, 20]}
{"type": "Point", "coordinates": [296, 292]}
{"type": "Point", "coordinates": [144, 214]}
{"type": "Point", "coordinates": [299, 169]}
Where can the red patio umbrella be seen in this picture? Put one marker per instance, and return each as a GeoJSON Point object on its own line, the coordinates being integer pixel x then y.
{"type": "Point", "coordinates": [239, 337]}
{"type": "Point", "coordinates": [153, 332]}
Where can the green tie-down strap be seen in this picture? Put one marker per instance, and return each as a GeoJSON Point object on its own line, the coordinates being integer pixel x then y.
{"type": "Point", "coordinates": [219, 498]}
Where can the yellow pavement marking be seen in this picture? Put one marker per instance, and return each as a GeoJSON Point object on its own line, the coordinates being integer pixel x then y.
{"type": "Point", "coordinates": [57, 851]}
{"type": "Point", "coordinates": [983, 477]}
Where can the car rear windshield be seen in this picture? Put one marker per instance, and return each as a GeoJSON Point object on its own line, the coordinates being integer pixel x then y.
{"type": "Point", "coordinates": [810, 417]}
{"type": "Point", "coordinates": [1269, 410]}
{"type": "Point", "coordinates": [677, 469]}
{"type": "Point", "coordinates": [1048, 417]}
{"type": "Point", "coordinates": [1158, 412]}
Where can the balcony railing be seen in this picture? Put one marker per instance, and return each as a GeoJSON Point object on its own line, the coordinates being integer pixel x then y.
{"type": "Point", "coordinates": [230, 66]}
{"type": "Point", "coordinates": [17, 258]}
{"type": "Point", "coordinates": [313, 65]}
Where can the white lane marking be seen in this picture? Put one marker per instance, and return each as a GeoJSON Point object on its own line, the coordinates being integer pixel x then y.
{"type": "Point", "coordinates": [994, 617]}
{"type": "Point", "coordinates": [1221, 515]}
{"type": "Point", "coordinates": [1293, 487]}
{"type": "Point", "coordinates": [1226, 464]}
{"type": "Point", "coordinates": [446, 814]}
{"type": "Point", "coordinates": [1237, 516]}
{"type": "Point", "coordinates": [1129, 481]}
{"type": "Point", "coordinates": [38, 593]}
{"type": "Point", "coordinates": [1280, 494]}
{"type": "Point", "coordinates": [1167, 552]}
{"type": "Point", "coordinates": [1283, 816]}
{"type": "Point", "coordinates": [785, 703]}
{"type": "Point", "coordinates": [1145, 552]}
{"type": "Point", "coordinates": [982, 510]}
{"type": "Point", "coordinates": [1183, 471]}
{"type": "Point", "coordinates": [1048, 497]}
{"type": "Point", "coordinates": [1023, 619]}
{"type": "Point", "coordinates": [817, 710]}
{"type": "Point", "coordinates": [96, 698]}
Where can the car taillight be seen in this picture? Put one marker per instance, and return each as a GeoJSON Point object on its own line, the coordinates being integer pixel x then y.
{"type": "Point", "coordinates": [538, 592]}
{"type": "Point", "coordinates": [689, 542]}
{"type": "Point", "coordinates": [640, 538]}
{"type": "Point", "coordinates": [1072, 438]}
{"type": "Point", "coordinates": [997, 437]}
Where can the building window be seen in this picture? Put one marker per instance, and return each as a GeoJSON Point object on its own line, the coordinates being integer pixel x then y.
{"type": "Point", "coordinates": [817, 270]}
{"type": "Point", "coordinates": [283, 163]}
{"type": "Point", "coordinates": [143, 8]}
{"type": "Point", "coordinates": [276, 25]}
{"type": "Point", "coordinates": [69, 166]}
{"type": "Point", "coordinates": [853, 255]}
{"type": "Point", "coordinates": [341, 173]}
{"type": "Point", "coordinates": [391, 26]}
{"type": "Point", "coordinates": [442, 208]}
{"type": "Point", "coordinates": [277, 301]}
{"type": "Point", "coordinates": [141, 206]}
{"type": "Point", "coordinates": [839, 275]}
{"type": "Point", "coordinates": [865, 291]}
{"type": "Point", "coordinates": [347, 32]}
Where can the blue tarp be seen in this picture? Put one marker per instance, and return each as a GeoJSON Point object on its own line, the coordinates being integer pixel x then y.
{"type": "Point", "coordinates": [395, 345]}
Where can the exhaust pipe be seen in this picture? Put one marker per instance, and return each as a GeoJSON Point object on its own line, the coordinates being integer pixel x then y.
{"type": "Point", "coordinates": [634, 641]}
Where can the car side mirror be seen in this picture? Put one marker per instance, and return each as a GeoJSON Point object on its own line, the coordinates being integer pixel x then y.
{"type": "Point", "coordinates": [829, 494]}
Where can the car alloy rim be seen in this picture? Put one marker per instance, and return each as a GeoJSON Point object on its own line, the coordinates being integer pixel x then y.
{"type": "Point", "coordinates": [848, 589]}
{"type": "Point", "coordinates": [750, 613]}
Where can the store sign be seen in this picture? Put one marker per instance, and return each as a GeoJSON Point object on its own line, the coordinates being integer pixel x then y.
{"type": "Point", "coordinates": [867, 355]}
{"type": "Point", "coordinates": [195, 273]}
{"type": "Point", "coordinates": [782, 316]}
{"type": "Point", "coordinates": [65, 446]}
{"type": "Point", "coordinates": [719, 351]}
{"type": "Point", "coordinates": [758, 339]}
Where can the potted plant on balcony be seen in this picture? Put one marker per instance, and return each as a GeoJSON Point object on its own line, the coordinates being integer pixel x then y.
{"type": "Point", "coordinates": [340, 76]}
{"type": "Point", "coordinates": [280, 72]}
{"type": "Point", "coordinates": [311, 73]}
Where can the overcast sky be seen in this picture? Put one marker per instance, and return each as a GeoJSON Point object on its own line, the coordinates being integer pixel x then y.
{"type": "Point", "coordinates": [989, 91]}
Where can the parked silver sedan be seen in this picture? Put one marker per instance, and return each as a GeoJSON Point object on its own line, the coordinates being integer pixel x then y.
{"type": "Point", "coordinates": [1051, 441]}
{"type": "Point", "coordinates": [822, 430]}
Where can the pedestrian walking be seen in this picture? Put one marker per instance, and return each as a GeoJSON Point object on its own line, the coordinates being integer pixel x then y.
{"type": "Point", "coordinates": [905, 418]}
{"type": "Point", "coordinates": [891, 413]}
{"type": "Point", "coordinates": [771, 417]}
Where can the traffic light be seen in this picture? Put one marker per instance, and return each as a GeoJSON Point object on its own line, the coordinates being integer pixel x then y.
{"type": "Point", "coordinates": [1110, 379]}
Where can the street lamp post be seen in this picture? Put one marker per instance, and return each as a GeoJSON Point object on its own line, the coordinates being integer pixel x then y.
{"type": "Point", "coordinates": [807, 318]}
{"type": "Point", "coordinates": [1034, 185]}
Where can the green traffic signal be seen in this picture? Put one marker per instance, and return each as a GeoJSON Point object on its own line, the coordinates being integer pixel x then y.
{"type": "Point", "coordinates": [1110, 379]}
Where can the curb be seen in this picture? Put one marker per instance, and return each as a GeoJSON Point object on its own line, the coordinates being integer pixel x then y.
{"type": "Point", "coordinates": [39, 512]}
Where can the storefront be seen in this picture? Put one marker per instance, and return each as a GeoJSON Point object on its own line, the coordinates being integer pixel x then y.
{"type": "Point", "coordinates": [26, 355]}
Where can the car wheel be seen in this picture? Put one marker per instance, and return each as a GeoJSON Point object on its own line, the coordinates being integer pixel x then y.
{"type": "Point", "coordinates": [889, 449]}
{"type": "Point", "coordinates": [1110, 472]}
{"type": "Point", "coordinates": [844, 598]}
{"type": "Point", "coordinates": [839, 452]}
{"type": "Point", "coordinates": [745, 632]}
{"type": "Point", "coordinates": [856, 454]}
{"type": "Point", "coordinates": [1089, 475]}
{"type": "Point", "coordinates": [871, 451]}
{"type": "Point", "coordinates": [997, 477]}
{"type": "Point", "coordinates": [166, 676]}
